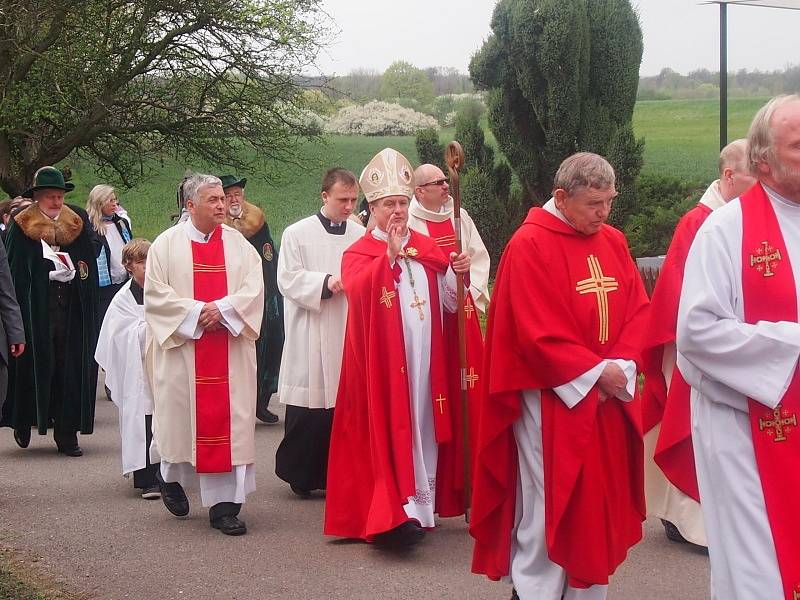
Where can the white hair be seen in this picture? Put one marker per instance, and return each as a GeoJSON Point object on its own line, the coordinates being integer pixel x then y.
{"type": "Point", "coordinates": [196, 181]}
{"type": "Point", "coordinates": [584, 170]}
{"type": "Point", "coordinates": [760, 137]}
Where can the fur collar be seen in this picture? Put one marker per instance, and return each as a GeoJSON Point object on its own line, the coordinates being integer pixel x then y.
{"type": "Point", "coordinates": [249, 223]}
{"type": "Point", "coordinates": [60, 232]}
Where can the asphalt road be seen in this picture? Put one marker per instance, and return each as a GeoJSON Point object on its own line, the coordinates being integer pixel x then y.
{"type": "Point", "coordinates": [83, 523]}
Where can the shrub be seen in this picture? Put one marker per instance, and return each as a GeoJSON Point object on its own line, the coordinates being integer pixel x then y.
{"type": "Point", "coordinates": [661, 201]}
{"type": "Point", "coordinates": [429, 149]}
{"type": "Point", "coordinates": [379, 118]}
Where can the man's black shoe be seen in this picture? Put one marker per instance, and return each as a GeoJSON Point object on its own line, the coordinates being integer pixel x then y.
{"type": "Point", "coordinates": [514, 595]}
{"type": "Point", "coordinates": [304, 494]}
{"type": "Point", "coordinates": [72, 450]}
{"type": "Point", "coordinates": [22, 437]}
{"type": "Point", "coordinates": [672, 532]}
{"type": "Point", "coordinates": [266, 415]}
{"type": "Point", "coordinates": [229, 525]}
{"type": "Point", "coordinates": [173, 496]}
{"type": "Point", "coordinates": [407, 534]}
{"type": "Point", "coordinates": [67, 443]}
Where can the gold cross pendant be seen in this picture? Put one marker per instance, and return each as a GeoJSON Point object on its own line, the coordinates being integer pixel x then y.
{"type": "Point", "coordinates": [418, 303]}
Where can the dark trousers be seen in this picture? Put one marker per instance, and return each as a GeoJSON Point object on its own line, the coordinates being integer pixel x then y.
{"type": "Point", "coordinates": [64, 435]}
{"type": "Point", "coordinates": [146, 477]}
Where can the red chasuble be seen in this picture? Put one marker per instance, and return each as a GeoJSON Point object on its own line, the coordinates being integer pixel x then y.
{"type": "Point", "coordinates": [444, 236]}
{"type": "Point", "coordinates": [212, 394]}
{"type": "Point", "coordinates": [770, 294]}
{"type": "Point", "coordinates": [562, 303]}
{"type": "Point", "coordinates": [370, 465]}
{"type": "Point", "coordinates": [674, 452]}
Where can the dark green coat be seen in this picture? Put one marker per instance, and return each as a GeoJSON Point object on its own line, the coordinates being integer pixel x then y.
{"type": "Point", "coordinates": [28, 401]}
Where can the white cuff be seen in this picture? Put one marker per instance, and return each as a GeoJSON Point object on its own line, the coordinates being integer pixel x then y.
{"type": "Point", "coordinates": [230, 318]}
{"type": "Point", "coordinates": [629, 368]}
{"type": "Point", "coordinates": [576, 390]}
{"type": "Point", "coordinates": [189, 329]}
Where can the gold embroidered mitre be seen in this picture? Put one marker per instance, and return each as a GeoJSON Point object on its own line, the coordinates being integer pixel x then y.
{"type": "Point", "coordinates": [388, 174]}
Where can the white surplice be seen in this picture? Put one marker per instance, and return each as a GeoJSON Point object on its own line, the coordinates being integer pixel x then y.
{"type": "Point", "coordinates": [470, 241]}
{"type": "Point", "coordinates": [120, 353]}
{"type": "Point", "coordinates": [533, 574]}
{"type": "Point", "coordinates": [173, 317]}
{"type": "Point", "coordinates": [312, 351]}
{"type": "Point", "coordinates": [726, 360]}
{"type": "Point", "coordinates": [417, 338]}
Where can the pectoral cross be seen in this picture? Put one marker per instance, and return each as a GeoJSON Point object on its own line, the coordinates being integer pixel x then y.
{"type": "Point", "coordinates": [418, 303]}
{"type": "Point", "coordinates": [765, 259]}
{"type": "Point", "coordinates": [777, 423]}
{"type": "Point", "coordinates": [598, 284]}
{"type": "Point", "coordinates": [441, 400]}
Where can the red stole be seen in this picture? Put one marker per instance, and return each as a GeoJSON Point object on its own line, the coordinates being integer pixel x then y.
{"type": "Point", "coordinates": [444, 236]}
{"type": "Point", "coordinates": [770, 295]}
{"type": "Point", "coordinates": [212, 394]}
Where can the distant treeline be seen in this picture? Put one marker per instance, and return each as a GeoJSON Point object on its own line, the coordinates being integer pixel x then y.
{"type": "Point", "coordinates": [705, 84]}
{"type": "Point", "coordinates": [363, 85]}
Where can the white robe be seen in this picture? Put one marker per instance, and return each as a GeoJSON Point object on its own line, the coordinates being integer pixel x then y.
{"type": "Point", "coordinates": [120, 353]}
{"type": "Point", "coordinates": [726, 360]}
{"type": "Point", "coordinates": [314, 340]}
{"type": "Point", "coordinates": [664, 500]}
{"type": "Point", "coordinates": [470, 241]}
{"type": "Point", "coordinates": [417, 338]}
{"type": "Point", "coordinates": [532, 573]}
{"type": "Point", "coordinates": [172, 315]}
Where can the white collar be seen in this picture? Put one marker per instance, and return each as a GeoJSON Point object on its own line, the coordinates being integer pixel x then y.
{"type": "Point", "coordinates": [380, 234]}
{"type": "Point", "coordinates": [550, 206]}
{"type": "Point", "coordinates": [332, 222]}
{"type": "Point", "coordinates": [194, 233]}
{"type": "Point", "coordinates": [419, 211]}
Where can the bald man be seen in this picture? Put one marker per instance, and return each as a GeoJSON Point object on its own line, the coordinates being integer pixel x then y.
{"type": "Point", "coordinates": [431, 213]}
{"type": "Point", "coordinates": [670, 480]}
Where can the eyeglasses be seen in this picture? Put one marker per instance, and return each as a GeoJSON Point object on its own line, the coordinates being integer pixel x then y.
{"type": "Point", "coordinates": [437, 182]}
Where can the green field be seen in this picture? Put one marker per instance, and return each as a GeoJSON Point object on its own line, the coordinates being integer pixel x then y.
{"type": "Point", "coordinates": [681, 140]}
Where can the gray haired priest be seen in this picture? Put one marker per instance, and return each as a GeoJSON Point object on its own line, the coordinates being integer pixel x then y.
{"type": "Point", "coordinates": [204, 300]}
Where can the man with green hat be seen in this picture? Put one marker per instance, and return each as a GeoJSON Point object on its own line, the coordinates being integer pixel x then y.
{"type": "Point", "coordinates": [51, 254]}
{"type": "Point", "coordinates": [248, 219]}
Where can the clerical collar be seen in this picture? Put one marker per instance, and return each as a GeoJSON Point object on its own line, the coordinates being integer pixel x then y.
{"type": "Point", "coordinates": [778, 198]}
{"type": "Point", "coordinates": [380, 234]}
{"type": "Point", "coordinates": [194, 233]}
{"type": "Point", "coordinates": [331, 226]}
{"type": "Point", "coordinates": [550, 206]}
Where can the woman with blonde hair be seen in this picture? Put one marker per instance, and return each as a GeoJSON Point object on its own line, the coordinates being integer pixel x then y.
{"type": "Point", "coordinates": [113, 227]}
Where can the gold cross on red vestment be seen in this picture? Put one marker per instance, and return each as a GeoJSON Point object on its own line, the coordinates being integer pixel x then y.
{"type": "Point", "coordinates": [601, 285]}
{"type": "Point", "coordinates": [780, 418]}
{"type": "Point", "coordinates": [386, 298]}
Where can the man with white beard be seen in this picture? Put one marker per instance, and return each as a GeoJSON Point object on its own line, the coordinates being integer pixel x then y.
{"type": "Point", "coordinates": [738, 344]}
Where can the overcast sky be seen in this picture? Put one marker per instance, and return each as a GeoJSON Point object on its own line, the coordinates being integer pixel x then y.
{"type": "Point", "coordinates": [681, 34]}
